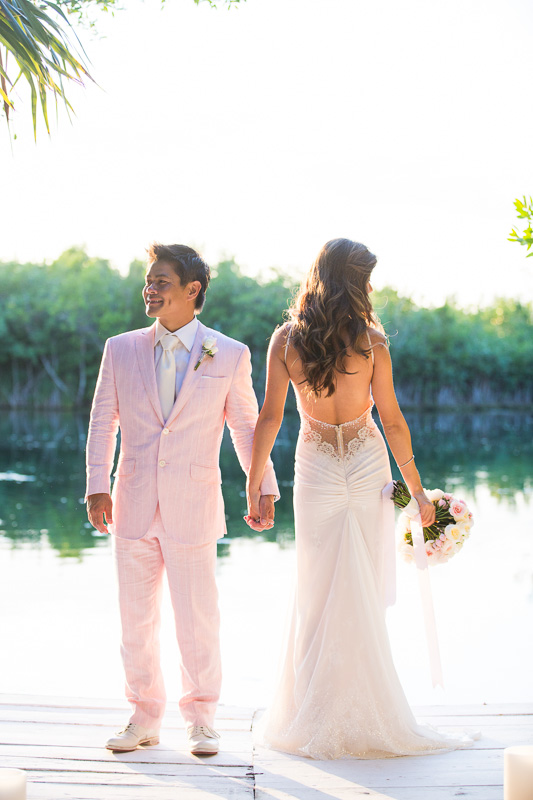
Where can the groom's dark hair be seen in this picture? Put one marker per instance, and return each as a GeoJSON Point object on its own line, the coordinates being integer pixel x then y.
{"type": "Point", "coordinates": [186, 263]}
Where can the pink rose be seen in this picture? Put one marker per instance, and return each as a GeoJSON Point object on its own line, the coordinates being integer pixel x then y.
{"type": "Point", "coordinates": [442, 503]}
{"type": "Point", "coordinates": [457, 509]}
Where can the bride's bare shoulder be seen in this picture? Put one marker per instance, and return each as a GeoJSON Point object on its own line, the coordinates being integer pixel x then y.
{"type": "Point", "coordinates": [280, 339]}
{"type": "Point", "coordinates": [378, 340]}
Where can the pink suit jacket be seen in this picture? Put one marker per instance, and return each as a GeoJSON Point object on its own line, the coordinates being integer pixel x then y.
{"type": "Point", "coordinates": [175, 464]}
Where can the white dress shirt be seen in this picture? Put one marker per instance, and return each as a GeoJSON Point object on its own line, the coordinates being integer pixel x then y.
{"type": "Point", "coordinates": [182, 353]}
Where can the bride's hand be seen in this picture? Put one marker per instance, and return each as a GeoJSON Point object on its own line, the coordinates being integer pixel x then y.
{"type": "Point", "coordinates": [253, 518]}
{"type": "Point", "coordinates": [427, 509]}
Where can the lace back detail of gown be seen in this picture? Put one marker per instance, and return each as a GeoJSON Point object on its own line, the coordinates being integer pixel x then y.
{"type": "Point", "coordinates": [338, 442]}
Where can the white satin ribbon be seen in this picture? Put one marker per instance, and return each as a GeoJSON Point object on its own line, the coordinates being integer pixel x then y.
{"type": "Point", "coordinates": [426, 597]}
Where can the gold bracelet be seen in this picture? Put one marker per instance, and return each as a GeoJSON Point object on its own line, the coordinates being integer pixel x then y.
{"type": "Point", "coordinates": [401, 466]}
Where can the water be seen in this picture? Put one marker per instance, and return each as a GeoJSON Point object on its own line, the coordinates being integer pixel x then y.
{"type": "Point", "coordinates": [60, 626]}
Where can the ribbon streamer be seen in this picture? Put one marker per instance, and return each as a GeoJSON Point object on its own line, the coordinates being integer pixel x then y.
{"type": "Point", "coordinates": [426, 597]}
{"type": "Point", "coordinates": [421, 561]}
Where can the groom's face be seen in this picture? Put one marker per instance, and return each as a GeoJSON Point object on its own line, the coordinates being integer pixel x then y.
{"type": "Point", "coordinates": [163, 294]}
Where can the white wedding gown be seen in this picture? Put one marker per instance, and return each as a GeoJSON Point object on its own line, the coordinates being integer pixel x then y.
{"type": "Point", "coordinates": [338, 693]}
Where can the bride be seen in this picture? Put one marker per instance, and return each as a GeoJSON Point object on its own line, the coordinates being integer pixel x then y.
{"type": "Point", "coordinates": [338, 693]}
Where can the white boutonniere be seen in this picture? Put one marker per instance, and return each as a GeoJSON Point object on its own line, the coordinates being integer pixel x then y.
{"type": "Point", "coordinates": [208, 349]}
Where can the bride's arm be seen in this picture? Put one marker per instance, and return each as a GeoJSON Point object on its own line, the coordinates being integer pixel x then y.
{"type": "Point", "coordinates": [396, 428]}
{"type": "Point", "coordinates": [270, 418]}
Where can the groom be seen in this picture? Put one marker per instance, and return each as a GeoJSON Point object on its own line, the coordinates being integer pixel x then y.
{"type": "Point", "coordinates": [170, 388]}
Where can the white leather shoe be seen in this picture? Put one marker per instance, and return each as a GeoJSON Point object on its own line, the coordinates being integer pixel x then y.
{"type": "Point", "coordinates": [203, 741]}
{"type": "Point", "coordinates": [132, 736]}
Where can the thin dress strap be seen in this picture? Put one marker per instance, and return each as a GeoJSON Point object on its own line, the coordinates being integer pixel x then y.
{"type": "Point", "coordinates": [370, 345]}
{"type": "Point", "coordinates": [287, 342]}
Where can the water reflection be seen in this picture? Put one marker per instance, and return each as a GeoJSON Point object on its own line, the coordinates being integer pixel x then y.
{"type": "Point", "coordinates": [42, 471]}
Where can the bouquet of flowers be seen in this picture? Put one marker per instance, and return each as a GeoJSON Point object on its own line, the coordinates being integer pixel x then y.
{"type": "Point", "coordinates": [443, 539]}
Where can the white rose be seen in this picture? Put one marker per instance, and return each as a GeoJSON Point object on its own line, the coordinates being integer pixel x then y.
{"type": "Point", "coordinates": [209, 342]}
{"type": "Point", "coordinates": [434, 494]}
{"type": "Point", "coordinates": [406, 552]}
{"type": "Point", "coordinates": [453, 533]}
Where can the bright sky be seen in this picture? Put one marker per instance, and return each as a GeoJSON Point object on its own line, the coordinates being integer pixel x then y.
{"type": "Point", "coordinates": [264, 131]}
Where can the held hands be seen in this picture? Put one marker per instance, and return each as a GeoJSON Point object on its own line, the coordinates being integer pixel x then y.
{"type": "Point", "coordinates": [100, 511]}
{"type": "Point", "coordinates": [260, 515]}
{"type": "Point", "coordinates": [427, 509]}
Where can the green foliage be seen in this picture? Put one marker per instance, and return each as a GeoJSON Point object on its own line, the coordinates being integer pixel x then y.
{"type": "Point", "coordinates": [448, 356]}
{"type": "Point", "coordinates": [55, 321]}
{"type": "Point", "coordinates": [57, 317]}
{"type": "Point", "coordinates": [525, 211]}
{"type": "Point", "coordinates": [247, 310]}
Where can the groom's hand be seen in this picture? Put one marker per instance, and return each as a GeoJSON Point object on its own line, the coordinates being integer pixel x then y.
{"type": "Point", "coordinates": [100, 511]}
{"type": "Point", "coordinates": [261, 519]}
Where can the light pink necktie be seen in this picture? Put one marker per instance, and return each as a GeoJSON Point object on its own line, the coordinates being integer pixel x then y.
{"type": "Point", "coordinates": [166, 373]}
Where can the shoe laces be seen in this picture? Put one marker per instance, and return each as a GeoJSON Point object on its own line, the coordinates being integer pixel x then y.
{"type": "Point", "coordinates": [202, 730]}
{"type": "Point", "coordinates": [131, 727]}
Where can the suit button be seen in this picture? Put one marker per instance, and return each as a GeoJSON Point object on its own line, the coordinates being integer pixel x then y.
{"type": "Point", "coordinates": [165, 431]}
{"type": "Point", "coordinates": [162, 463]}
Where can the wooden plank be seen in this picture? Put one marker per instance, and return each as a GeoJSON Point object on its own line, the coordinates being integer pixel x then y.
{"type": "Point", "coordinates": [152, 755]}
{"type": "Point", "coordinates": [409, 793]}
{"type": "Point", "coordinates": [58, 791]}
{"type": "Point", "coordinates": [475, 721]}
{"type": "Point", "coordinates": [445, 793]}
{"type": "Point", "coordinates": [486, 709]}
{"type": "Point", "coordinates": [206, 782]}
{"type": "Point", "coordinates": [39, 733]}
{"type": "Point", "coordinates": [168, 768]}
{"type": "Point", "coordinates": [456, 769]}
{"type": "Point", "coordinates": [306, 793]}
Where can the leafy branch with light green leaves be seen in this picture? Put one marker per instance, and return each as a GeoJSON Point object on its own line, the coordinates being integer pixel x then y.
{"type": "Point", "coordinates": [525, 211]}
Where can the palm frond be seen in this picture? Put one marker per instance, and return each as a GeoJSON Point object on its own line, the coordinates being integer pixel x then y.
{"type": "Point", "coordinates": [45, 50]}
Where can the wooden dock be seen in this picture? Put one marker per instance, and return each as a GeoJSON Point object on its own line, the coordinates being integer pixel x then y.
{"type": "Point", "coordinates": [59, 743]}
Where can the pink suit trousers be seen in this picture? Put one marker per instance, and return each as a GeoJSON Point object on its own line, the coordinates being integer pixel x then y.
{"type": "Point", "coordinates": [140, 564]}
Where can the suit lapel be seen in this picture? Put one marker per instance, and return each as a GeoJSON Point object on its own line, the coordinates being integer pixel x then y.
{"type": "Point", "coordinates": [191, 376]}
{"type": "Point", "coordinates": [144, 347]}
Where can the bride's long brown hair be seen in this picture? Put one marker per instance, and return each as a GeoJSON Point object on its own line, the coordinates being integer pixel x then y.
{"type": "Point", "coordinates": [331, 312]}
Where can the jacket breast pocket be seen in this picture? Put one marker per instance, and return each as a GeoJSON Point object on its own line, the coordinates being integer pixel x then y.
{"type": "Point", "coordinates": [205, 474]}
{"type": "Point", "coordinates": [125, 466]}
{"type": "Point", "coordinates": [212, 382]}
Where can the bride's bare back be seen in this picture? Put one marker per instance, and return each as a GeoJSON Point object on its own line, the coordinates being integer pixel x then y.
{"type": "Point", "coordinates": [352, 396]}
